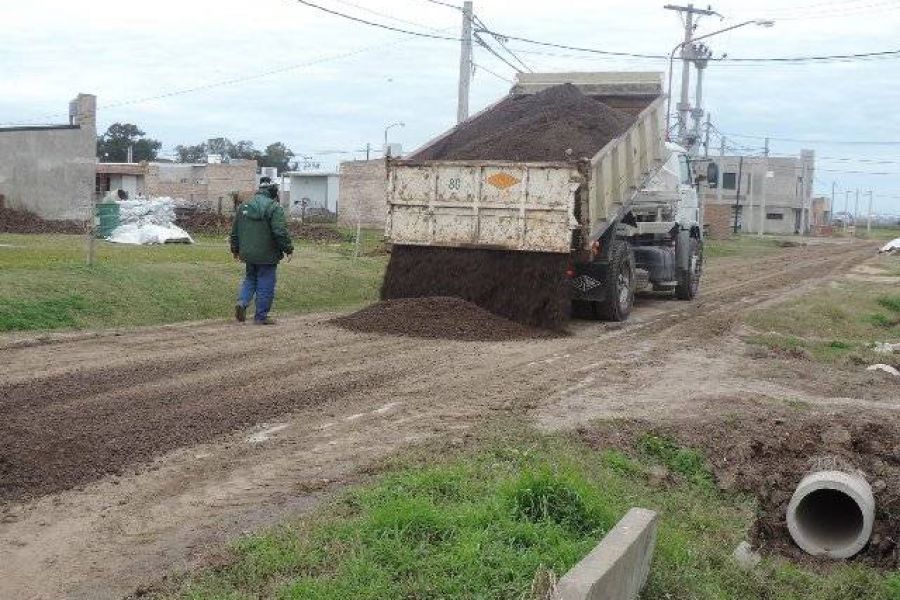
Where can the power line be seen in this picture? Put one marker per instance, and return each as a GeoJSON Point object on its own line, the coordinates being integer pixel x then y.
{"type": "Point", "coordinates": [225, 82]}
{"type": "Point", "coordinates": [503, 45]}
{"type": "Point", "coordinates": [807, 141]}
{"type": "Point", "coordinates": [380, 25]}
{"type": "Point", "coordinates": [495, 34]}
{"type": "Point", "coordinates": [485, 45]}
{"type": "Point", "coordinates": [453, 6]}
{"type": "Point", "coordinates": [830, 57]}
{"type": "Point", "coordinates": [497, 75]}
{"type": "Point", "coordinates": [387, 16]}
{"type": "Point", "coordinates": [859, 172]}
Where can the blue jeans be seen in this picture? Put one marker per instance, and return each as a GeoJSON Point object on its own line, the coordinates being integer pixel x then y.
{"type": "Point", "coordinates": [259, 281]}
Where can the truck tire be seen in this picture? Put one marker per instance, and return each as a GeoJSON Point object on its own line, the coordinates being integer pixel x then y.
{"type": "Point", "coordinates": [689, 279]}
{"type": "Point", "coordinates": [619, 284]}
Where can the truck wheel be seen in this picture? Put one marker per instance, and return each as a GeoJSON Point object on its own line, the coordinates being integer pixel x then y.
{"type": "Point", "coordinates": [619, 284]}
{"type": "Point", "coordinates": [689, 279]}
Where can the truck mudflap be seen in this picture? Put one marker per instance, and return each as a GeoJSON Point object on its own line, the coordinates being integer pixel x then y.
{"type": "Point", "coordinates": [586, 279]}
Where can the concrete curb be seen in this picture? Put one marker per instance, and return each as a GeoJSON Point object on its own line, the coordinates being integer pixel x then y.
{"type": "Point", "coordinates": [617, 568]}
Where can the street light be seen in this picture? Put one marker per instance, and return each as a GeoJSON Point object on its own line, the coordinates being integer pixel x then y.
{"type": "Point", "coordinates": [759, 22]}
{"type": "Point", "coordinates": [386, 129]}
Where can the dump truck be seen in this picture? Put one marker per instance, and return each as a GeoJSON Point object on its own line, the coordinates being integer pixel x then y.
{"type": "Point", "coordinates": [621, 217]}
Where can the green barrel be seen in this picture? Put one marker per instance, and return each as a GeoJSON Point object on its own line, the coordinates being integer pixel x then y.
{"type": "Point", "coordinates": [107, 218]}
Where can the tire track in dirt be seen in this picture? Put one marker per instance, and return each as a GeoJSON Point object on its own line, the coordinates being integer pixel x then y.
{"type": "Point", "coordinates": [325, 386]}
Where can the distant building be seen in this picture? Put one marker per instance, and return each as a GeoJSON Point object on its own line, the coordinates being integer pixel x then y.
{"type": "Point", "coordinates": [211, 186]}
{"type": "Point", "coordinates": [775, 195]}
{"type": "Point", "coordinates": [363, 184]}
{"type": "Point", "coordinates": [49, 169]}
{"type": "Point", "coordinates": [313, 194]}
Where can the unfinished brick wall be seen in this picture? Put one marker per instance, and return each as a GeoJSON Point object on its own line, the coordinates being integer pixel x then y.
{"type": "Point", "coordinates": [209, 185]}
{"type": "Point", "coordinates": [718, 219]}
{"type": "Point", "coordinates": [223, 180]}
{"type": "Point", "coordinates": [362, 193]}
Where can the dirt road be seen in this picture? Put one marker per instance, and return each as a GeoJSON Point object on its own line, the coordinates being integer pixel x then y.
{"type": "Point", "coordinates": [125, 456]}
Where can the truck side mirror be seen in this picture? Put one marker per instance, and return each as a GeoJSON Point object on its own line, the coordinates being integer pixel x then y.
{"type": "Point", "coordinates": [712, 174]}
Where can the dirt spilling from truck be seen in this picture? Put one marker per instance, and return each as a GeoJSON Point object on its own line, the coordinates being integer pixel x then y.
{"type": "Point", "coordinates": [556, 124]}
{"type": "Point", "coordinates": [525, 287]}
{"type": "Point", "coordinates": [764, 450]}
{"type": "Point", "coordinates": [438, 318]}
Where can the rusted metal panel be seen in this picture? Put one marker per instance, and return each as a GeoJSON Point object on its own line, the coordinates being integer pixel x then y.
{"type": "Point", "coordinates": [517, 206]}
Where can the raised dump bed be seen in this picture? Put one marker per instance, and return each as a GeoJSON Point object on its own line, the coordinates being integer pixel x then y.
{"type": "Point", "coordinates": [558, 167]}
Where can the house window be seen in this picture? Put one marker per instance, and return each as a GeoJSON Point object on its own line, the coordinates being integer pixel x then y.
{"type": "Point", "coordinates": [775, 216]}
{"type": "Point", "coordinates": [729, 181]}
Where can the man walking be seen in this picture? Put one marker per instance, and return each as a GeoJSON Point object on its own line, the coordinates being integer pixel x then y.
{"type": "Point", "coordinates": [259, 238]}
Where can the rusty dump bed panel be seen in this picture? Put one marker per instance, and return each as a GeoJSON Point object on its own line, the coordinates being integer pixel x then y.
{"type": "Point", "coordinates": [484, 204]}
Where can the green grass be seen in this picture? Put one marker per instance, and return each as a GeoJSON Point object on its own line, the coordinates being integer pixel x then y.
{"type": "Point", "coordinates": [749, 246]}
{"type": "Point", "coordinates": [482, 523]}
{"type": "Point", "coordinates": [44, 283]}
{"type": "Point", "coordinates": [837, 324]}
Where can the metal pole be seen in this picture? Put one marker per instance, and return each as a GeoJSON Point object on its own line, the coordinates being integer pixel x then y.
{"type": "Point", "coordinates": [737, 195]}
{"type": "Point", "coordinates": [368, 149]}
{"type": "Point", "coordinates": [465, 63]}
{"type": "Point", "coordinates": [706, 140]}
{"type": "Point", "coordinates": [698, 98]}
{"type": "Point", "coordinates": [831, 208]}
{"type": "Point", "coordinates": [91, 239]}
{"type": "Point", "coordinates": [753, 192]}
{"type": "Point", "coordinates": [846, 208]}
{"type": "Point", "coordinates": [762, 202]}
{"type": "Point", "coordinates": [684, 107]}
{"type": "Point", "coordinates": [721, 171]}
{"type": "Point", "coordinates": [869, 219]}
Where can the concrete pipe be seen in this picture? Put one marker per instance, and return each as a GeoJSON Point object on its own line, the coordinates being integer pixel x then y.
{"type": "Point", "coordinates": [831, 514]}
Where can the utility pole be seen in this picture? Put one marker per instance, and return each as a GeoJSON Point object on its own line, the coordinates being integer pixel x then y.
{"type": "Point", "coordinates": [737, 195]}
{"type": "Point", "coordinates": [465, 63]}
{"type": "Point", "coordinates": [762, 202]}
{"type": "Point", "coordinates": [831, 208]}
{"type": "Point", "coordinates": [869, 219]}
{"type": "Point", "coordinates": [752, 192]}
{"type": "Point", "coordinates": [687, 54]}
{"type": "Point", "coordinates": [701, 60]}
{"type": "Point", "coordinates": [721, 171]}
{"type": "Point", "coordinates": [766, 149]}
{"type": "Point", "coordinates": [368, 149]}
{"type": "Point", "coordinates": [706, 139]}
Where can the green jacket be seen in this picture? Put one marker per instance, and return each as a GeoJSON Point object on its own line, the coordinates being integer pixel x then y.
{"type": "Point", "coordinates": [259, 233]}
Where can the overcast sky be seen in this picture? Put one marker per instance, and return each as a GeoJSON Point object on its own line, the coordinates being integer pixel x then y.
{"type": "Point", "coordinates": [323, 84]}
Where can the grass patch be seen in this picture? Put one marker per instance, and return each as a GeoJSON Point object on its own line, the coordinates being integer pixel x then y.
{"type": "Point", "coordinates": [40, 314]}
{"type": "Point", "coordinates": [892, 303]}
{"type": "Point", "coordinates": [837, 324]}
{"type": "Point", "coordinates": [44, 283]}
{"type": "Point", "coordinates": [688, 462]}
{"type": "Point", "coordinates": [486, 522]}
{"type": "Point", "coordinates": [749, 246]}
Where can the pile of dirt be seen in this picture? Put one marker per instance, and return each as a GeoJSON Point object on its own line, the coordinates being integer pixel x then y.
{"type": "Point", "coordinates": [539, 127]}
{"type": "Point", "coordinates": [22, 221]}
{"type": "Point", "coordinates": [437, 318]}
{"type": "Point", "coordinates": [766, 451]}
{"type": "Point", "coordinates": [316, 233]}
{"type": "Point", "coordinates": [204, 222]}
{"type": "Point", "coordinates": [210, 223]}
{"type": "Point", "coordinates": [526, 287]}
